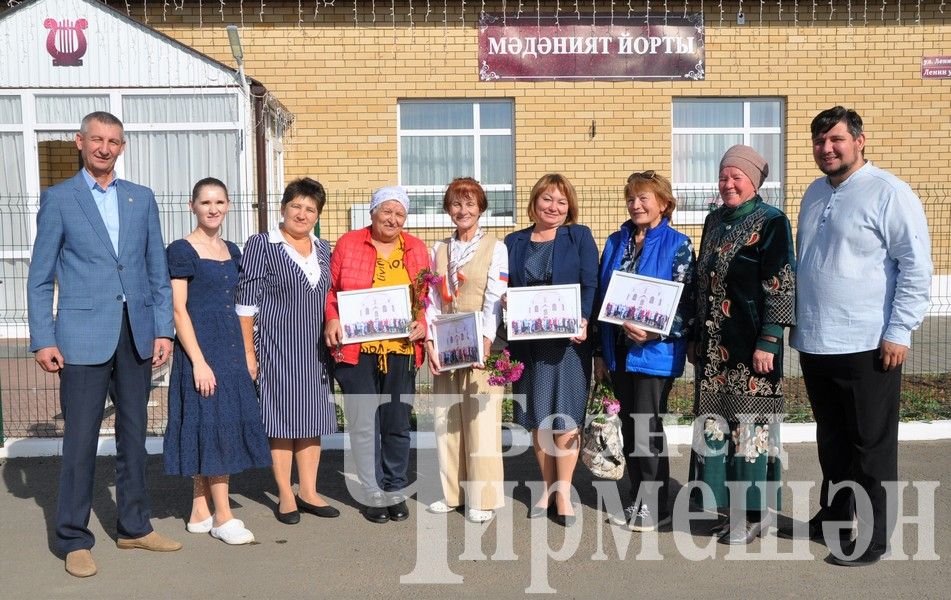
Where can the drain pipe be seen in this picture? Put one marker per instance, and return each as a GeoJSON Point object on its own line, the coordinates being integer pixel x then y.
{"type": "Point", "coordinates": [258, 93]}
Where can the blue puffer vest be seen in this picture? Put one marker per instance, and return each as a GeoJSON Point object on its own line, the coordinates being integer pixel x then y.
{"type": "Point", "coordinates": [663, 357]}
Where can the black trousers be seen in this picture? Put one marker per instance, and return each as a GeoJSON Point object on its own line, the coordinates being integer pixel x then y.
{"type": "Point", "coordinates": [380, 429]}
{"type": "Point", "coordinates": [855, 403]}
{"type": "Point", "coordinates": [645, 448]}
{"type": "Point", "coordinates": [82, 394]}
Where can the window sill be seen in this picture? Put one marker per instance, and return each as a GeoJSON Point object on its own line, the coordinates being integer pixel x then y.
{"type": "Point", "coordinates": [360, 217]}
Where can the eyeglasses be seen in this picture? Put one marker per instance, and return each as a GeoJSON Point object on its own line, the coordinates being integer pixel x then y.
{"type": "Point", "coordinates": [642, 175]}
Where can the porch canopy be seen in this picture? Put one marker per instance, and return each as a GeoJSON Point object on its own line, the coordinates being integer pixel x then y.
{"type": "Point", "coordinates": [186, 115]}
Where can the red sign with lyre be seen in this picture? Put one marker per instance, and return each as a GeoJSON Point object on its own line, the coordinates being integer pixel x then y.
{"type": "Point", "coordinates": [66, 41]}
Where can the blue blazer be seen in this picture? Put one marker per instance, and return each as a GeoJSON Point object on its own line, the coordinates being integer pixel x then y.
{"type": "Point", "coordinates": [574, 260]}
{"type": "Point", "coordinates": [73, 249]}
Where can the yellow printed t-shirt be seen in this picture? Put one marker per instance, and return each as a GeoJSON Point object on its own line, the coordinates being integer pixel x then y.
{"type": "Point", "coordinates": [389, 270]}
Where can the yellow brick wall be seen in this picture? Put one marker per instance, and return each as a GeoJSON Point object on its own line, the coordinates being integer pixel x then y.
{"type": "Point", "coordinates": [58, 161]}
{"type": "Point", "coordinates": [342, 81]}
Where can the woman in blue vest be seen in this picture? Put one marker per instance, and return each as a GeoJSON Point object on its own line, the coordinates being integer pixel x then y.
{"type": "Point", "coordinates": [642, 364]}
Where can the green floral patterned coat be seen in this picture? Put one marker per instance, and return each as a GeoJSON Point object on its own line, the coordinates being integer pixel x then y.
{"type": "Point", "coordinates": [745, 290]}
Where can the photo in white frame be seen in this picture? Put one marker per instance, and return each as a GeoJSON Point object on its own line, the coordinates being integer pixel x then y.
{"type": "Point", "coordinates": [457, 340]}
{"type": "Point", "coordinates": [382, 313]}
{"type": "Point", "coordinates": [543, 312]}
{"type": "Point", "coordinates": [646, 302]}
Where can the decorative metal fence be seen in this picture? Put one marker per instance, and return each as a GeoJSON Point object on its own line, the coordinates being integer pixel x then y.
{"type": "Point", "coordinates": [30, 405]}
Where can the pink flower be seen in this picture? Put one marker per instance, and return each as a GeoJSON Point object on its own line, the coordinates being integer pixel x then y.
{"type": "Point", "coordinates": [424, 280]}
{"type": "Point", "coordinates": [502, 369]}
{"type": "Point", "coordinates": [603, 402]}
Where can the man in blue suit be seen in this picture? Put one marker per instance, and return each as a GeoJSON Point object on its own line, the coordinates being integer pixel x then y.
{"type": "Point", "coordinates": [98, 242]}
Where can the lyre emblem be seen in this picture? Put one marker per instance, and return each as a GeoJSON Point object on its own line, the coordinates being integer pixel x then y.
{"type": "Point", "coordinates": [66, 41]}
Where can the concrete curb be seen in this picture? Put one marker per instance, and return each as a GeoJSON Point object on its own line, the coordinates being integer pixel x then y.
{"type": "Point", "coordinates": [792, 433]}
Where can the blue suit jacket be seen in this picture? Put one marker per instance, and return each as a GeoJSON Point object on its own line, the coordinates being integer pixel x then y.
{"type": "Point", "coordinates": [73, 249]}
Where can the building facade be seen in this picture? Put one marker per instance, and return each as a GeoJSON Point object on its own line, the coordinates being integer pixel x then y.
{"type": "Point", "coordinates": [390, 92]}
{"type": "Point", "coordinates": [399, 91]}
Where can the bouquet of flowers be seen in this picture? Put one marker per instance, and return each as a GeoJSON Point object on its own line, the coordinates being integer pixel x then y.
{"type": "Point", "coordinates": [602, 403]}
{"type": "Point", "coordinates": [425, 280]}
{"type": "Point", "coordinates": [602, 448]}
{"type": "Point", "coordinates": [503, 369]}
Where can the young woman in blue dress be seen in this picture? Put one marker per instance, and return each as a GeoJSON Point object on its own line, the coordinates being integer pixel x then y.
{"type": "Point", "coordinates": [214, 422]}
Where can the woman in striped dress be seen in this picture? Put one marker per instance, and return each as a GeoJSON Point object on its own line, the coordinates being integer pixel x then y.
{"type": "Point", "coordinates": [284, 282]}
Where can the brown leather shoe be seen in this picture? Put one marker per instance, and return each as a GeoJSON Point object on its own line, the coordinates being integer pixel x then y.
{"type": "Point", "coordinates": [79, 563]}
{"type": "Point", "coordinates": [153, 541]}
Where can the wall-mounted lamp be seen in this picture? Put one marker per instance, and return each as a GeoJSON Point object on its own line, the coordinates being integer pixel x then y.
{"type": "Point", "coordinates": [593, 131]}
{"type": "Point", "coordinates": [740, 18]}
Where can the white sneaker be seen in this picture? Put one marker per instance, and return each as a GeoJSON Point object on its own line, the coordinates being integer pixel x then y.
{"type": "Point", "coordinates": [201, 526]}
{"type": "Point", "coordinates": [630, 511]}
{"type": "Point", "coordinates": [480, 516]}
{"type": "Point", "coordinates": [232, 532]}
{"type": "Point", "coordinates": [644, 520]}
{"type": "Point", "coordinates": [440, 507]}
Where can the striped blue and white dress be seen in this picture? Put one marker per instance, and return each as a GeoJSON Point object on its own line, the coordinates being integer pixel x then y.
{"type": "Point", "coordinates": [287, 292]}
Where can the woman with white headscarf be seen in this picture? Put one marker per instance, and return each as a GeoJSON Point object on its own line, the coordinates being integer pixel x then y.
{"type": "Point", "coordinates": [379, 255]}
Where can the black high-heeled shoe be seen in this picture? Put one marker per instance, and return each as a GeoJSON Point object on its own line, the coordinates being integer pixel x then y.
{"type": "Point", "coordinates": [565, 520]}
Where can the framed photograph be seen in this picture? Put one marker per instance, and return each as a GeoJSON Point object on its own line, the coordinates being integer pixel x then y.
{"type": "Point", "coordinates": [645, 302]}
{"type": "Point", "coordinates": [544, 311]}
{"type": "Point", "coordinates": [458, 340]}
{"type": "Point", "coordinates": [382, 313]}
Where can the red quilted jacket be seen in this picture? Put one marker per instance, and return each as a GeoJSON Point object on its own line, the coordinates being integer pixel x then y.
{"type": "Point", "coordinates": [351, 268]}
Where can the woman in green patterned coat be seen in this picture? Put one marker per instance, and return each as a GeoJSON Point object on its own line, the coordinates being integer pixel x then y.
{"type": "Point", "coordinates": [745, 298]}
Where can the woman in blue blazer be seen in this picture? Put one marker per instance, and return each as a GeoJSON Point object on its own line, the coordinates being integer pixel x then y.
{"type": "Point", "coordinates": [555, 250]}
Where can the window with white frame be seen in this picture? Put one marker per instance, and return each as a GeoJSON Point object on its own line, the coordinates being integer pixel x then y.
{"type": "Point", "coordinates": [174, 138]}
{"type": "Point", "coordinates": [440, 140]}
{"type": "Point", "coordinates": [704, 128]}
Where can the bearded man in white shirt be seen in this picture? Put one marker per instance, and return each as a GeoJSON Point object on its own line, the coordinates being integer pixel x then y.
{"type": "Point", "coordinates": [864, 275]}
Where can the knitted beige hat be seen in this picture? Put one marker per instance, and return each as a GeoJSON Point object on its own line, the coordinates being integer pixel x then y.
{"type": "Point", "coordinates": [747, 160]}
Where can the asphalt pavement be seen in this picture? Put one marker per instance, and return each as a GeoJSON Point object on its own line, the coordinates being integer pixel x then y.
{"type": "Point", "coordinates": [431, 556]}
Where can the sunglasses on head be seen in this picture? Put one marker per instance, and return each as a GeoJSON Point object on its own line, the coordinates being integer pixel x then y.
{"type": "Point", "coordinates": [642, 175]}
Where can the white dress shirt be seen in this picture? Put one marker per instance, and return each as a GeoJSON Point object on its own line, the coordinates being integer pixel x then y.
{"type": "Point", "coordinates": [864, 271]}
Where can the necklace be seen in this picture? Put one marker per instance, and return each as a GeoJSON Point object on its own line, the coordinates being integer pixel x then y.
{"type": "Point", "coordinates": [301, 245]}
{"type": "Point", "coordinates": [212, 248]}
